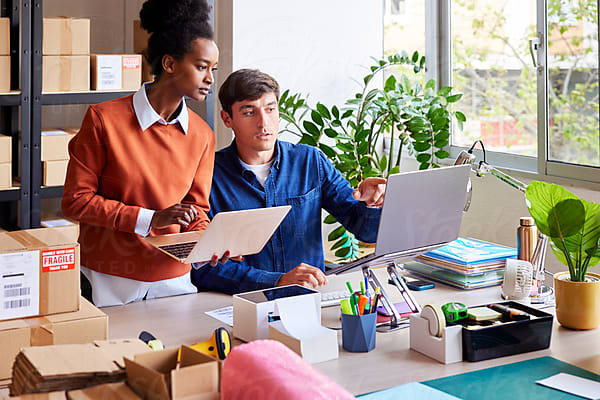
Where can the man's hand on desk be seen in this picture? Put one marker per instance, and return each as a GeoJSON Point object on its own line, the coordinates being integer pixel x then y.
{"type": "Point", "coordinates": [371, 191]}
{"type": "Point", "coordinates": [304, 275]}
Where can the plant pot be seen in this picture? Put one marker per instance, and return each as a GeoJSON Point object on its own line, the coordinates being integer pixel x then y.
{"type": "Point", "coordinates": [577, 303]}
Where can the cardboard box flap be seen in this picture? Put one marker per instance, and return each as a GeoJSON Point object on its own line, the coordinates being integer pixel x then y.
{"type": "Point", "coordinates": [146, 382]}
{"type": "Point", "coordinates": [8, 243]}
{"type": "Point", "coordinates": [86, 311]}
{"type": "Point", "coordinates": [115, 391]}
{"type": "Point", "coordinates": [61, 395]}
{"type": "Point", "coordinates": [46, 236]}
{"type": "Point", "coordinates": [13, 324]}
{"type": "Point", "coordinates": [161, 361]}
{"type": "Point", "coordinates": [190, 356]}
{"type": "Point", "coordinates": [70, 359]}
{"type": "Point", "coordinates": [119, 349]}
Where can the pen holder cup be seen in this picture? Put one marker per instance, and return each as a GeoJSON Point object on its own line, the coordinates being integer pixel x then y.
{"type": "Point", "coordinates": [358, 332]}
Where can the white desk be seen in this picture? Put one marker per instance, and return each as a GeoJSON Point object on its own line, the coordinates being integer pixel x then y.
{"type": "Point", "coordinates": [181, 320]}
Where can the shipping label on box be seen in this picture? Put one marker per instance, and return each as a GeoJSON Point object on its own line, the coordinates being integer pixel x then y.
{"type": "Point", "coordinates": [19, 293]}
{"type": "Point", "coordinates": [4, 36]}
{"type": "Point", "coordinates": [106, 72]}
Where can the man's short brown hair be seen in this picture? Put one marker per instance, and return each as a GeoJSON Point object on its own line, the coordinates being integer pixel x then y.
{"type": "Point", "coordinates": [246, 84]}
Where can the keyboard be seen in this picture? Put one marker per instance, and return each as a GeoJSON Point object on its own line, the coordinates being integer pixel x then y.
{"type": "Point", "coordinates": [179, 250]}
{"type": "Point", "coordinates": [329, 299]}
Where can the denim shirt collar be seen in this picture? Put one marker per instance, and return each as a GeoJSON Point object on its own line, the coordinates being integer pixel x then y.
{"type": "Point", "coordinates": [232, 153]}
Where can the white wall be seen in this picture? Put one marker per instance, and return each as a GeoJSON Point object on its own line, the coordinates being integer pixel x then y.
{"type": "Point", "coordinates": [313, 46]}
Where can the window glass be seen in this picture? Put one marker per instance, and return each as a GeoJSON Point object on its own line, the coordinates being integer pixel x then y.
{"type": "Point", "coordinates": [573, 82]}
{"type": "Point", "coordinates": [493, 68]}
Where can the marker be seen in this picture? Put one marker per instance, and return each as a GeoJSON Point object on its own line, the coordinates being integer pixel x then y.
{"type": "Point", "coordinates": [346, 307]}
{"type": "Point", "coordinates": [367, 287]}
{"type": "Point", "coordinates": [362, 300]}
{"type": "Point", "coordinates": [509, 312]}
{"type": "Point", "coordinates": [377, 295]}
{"type": "Point", "coordinates": [362, 287]}
{"type": "Point", "coordinates": [349, 287]}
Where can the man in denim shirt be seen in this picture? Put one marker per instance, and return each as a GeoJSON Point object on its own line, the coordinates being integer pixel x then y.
{"type": "Point", "coordinates": [257, 170]}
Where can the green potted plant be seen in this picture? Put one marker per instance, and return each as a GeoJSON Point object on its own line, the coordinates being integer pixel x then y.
{"type": "Point", "coordinates": [414, 115]}
{"type": "Point", "coordinates": [573, 229]}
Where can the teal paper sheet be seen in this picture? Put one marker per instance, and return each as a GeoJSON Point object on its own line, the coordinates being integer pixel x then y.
{"type": "Point", "coordinates": [413, 390]}
{"type": "Point", "coordinates": [511, 381]}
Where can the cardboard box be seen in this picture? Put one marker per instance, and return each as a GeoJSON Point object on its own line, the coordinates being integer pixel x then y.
{"type": "Point", "coordinates": [4, 74]}
{"type": "Point", "coordinates": [43, 265]}
{"type": "Point", "coordinates": [114, 391]}
{"type": "Point", "coordinates": [106, 72]}
{"type": "Point", "coordinates": [5, 175]}
{"type": "Point", "coordinates": [83, 326]}
{"type": "Point", "coordinates": [65, 73]}
{"type": "Point", "coordinates": [155, 375]}
{"type": "Point", "coordinates": [41, 396]}
{"type": "Point", "coordinates": [66, 36]}
{"type": "Point", "coordinates": [140, 43]}
{"type": "Point", "coordinates": [116, 71]}
{"type": "Point", "coordinates": [55, 172]}
{"type": "Point", "coordinates": [4, 36]}
{"type": "Point", "coordinates": [55, 144]}
{"type": "Point", "coordinates": [132, 71]}
{"type": "Point", "coordinates": [5, 149]}
{"type": "Point", "coordinates": [140, 37]}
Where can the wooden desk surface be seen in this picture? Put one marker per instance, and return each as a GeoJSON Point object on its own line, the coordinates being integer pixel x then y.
{"type": "Point", "coordinates": [181, 320]}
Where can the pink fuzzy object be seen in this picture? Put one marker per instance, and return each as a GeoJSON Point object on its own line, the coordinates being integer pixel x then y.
{"type": "Point", "coordinates": [267, 369]}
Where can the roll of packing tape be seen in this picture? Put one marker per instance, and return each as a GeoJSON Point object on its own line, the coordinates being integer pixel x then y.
{"type": "Point", "coordinates": [435, 316]}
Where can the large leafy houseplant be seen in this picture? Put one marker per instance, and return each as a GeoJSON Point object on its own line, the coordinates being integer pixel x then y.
{"type": "Point", "coordinates": [571, 224]}
{"type": "Point", "coordinates": [415, 115]}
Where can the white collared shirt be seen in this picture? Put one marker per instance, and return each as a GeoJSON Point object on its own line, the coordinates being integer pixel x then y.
{"type": "Point", "coordinates": [110, 290]}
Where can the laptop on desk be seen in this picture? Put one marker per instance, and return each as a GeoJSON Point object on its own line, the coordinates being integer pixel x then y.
{"type": "Point", "coordinates": [241, 232]}
{"type": "Point", "coordinates": [422, 210]}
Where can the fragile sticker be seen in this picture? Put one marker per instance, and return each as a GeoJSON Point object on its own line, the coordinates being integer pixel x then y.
{"type": "Point", "coordinates": [131, 62]}
{"type": "Point", "coordinates": [58, 259]}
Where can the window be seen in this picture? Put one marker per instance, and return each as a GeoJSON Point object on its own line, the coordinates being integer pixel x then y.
{"type": "Point", "coordinates": [534, 104]}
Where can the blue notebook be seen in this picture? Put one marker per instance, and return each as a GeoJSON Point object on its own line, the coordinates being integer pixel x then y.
{"type": "Point", "coordinates": [472, 251]}
{"type": "Point", "coordinates": [511, 381]}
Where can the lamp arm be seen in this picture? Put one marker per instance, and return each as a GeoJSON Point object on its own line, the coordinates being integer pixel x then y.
{"type": "Point", "coordinates": [487, 168]}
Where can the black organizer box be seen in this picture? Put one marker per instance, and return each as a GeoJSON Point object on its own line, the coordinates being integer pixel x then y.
{"type": "Point", "coordinates": [509, 338]}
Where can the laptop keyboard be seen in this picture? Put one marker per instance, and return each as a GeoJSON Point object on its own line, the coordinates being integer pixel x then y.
{"type": "Point", "coordinates": [179, 250]}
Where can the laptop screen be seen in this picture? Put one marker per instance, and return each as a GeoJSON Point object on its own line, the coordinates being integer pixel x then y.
{"type": "Point", "coordinates": [422, 208]}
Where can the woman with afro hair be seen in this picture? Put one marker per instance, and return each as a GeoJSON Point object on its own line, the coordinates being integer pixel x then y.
{"type": "Point", "coordinates": [142, 164]}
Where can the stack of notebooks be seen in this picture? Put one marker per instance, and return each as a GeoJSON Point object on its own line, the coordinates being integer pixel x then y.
{"type": "Point", "coordinates": [464, 263]}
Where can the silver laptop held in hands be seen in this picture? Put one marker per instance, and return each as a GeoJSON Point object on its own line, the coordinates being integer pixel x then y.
{"type": "Point", "coordinates": [422, 210]}
{"type": "Point", "coordinates": [241, 232]}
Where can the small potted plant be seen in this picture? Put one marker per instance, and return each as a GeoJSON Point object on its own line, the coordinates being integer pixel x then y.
{"type": "Point", "coordinates": [573, 229]}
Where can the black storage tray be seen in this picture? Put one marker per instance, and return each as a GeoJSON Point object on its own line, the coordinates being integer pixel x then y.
{"type": "Point", "coordinates": [509, 338]}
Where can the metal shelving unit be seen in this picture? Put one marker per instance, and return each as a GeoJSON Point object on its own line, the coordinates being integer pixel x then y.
{"type": "Point", "coordinates": [39, 192]}
{"type": "Point", "coordinates": [15, 116]}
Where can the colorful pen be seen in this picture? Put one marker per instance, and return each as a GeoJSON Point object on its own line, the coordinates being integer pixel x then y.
{"type": "Point", "coordinates": [349, 287]}
{"type": "Point", "coordinates": [346, 307]}
{"type": "Point", "coordinates": [367, 287]}
{"type": "Point", "coordinates": [362, 287]}
{"type": "Point", "coordinates": [362, 300]}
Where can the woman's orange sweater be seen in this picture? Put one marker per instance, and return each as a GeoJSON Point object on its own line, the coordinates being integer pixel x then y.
{"type": "Point", "coordinates": [115, 168]}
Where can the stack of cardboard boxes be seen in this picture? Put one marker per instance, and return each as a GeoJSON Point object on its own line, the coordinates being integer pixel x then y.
{"type": "Point", "coordinates": [39, 297]}
{"type": "Point", "coordinates": [4, 55]}
{"type": "Point", "coordinates": [5, 162]}
{"type": "Point", "coordinates": [66, 54]}
{"type": "Point", "coordinates": [55, 155]}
